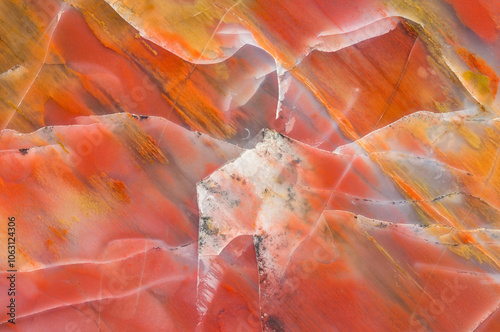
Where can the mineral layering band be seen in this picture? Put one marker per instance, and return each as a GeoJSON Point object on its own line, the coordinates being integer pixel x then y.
{"type": "Point", "coordinates": [249, 165]}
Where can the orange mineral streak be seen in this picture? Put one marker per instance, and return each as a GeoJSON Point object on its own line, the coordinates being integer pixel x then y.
{"type": "Point", "coordinates": [415, 71]}
{"type": "Point", "coordinates": [368, 258]}
{"type": "Point", "coordinates": [123, 178]}
{"type": "Point", "coordinates": [478, 163]}
{"type": "Point", "coordinates": [291, 26]}
{"type": "Point", "coordinates": [86, 178]}
{"type": "Point", "coordinates": [285, 30]}
{"type": "Point", "coordinates": [25, 31]}
{"type": "Point", "coordinates": [114, 70]}
{"type": "Point", "coordinates": [380, 80]}
{"type": "Point", "coordinates": [60, 233]}
{"type": "Point", "coordinates": [478, 65]}
{"type": "Point", "coordinates": [102, 183]}
{"type": "Point", "coordinates": [115, 74]}
{"type": "Point", "coordinates": [359, 119]}
{"type": "Point", "coordinates": [437, 213]}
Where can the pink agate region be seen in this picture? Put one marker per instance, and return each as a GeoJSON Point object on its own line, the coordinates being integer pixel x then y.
{"type": "Point", "coordinates": [133, 196]}
{"type": "Point", "coordinates": [110, 292]}
{"type": "Point", "coordinates": [251, 165]}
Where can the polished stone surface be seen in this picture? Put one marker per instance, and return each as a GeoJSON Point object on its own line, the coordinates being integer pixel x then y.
{"type": "Point", "coordinates": [250, 165]}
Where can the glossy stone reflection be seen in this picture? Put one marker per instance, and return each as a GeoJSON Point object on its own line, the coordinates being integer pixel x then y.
{"type": "Point", "coordinates": [251, 165]}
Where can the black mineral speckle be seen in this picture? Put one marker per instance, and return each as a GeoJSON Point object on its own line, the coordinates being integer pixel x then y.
{"type": "Point", "coordinates": [275, 324]}
{"type": "Point", "coordinates": [259, 247]}
{"type": "Point", "coordinates": [207, 227]}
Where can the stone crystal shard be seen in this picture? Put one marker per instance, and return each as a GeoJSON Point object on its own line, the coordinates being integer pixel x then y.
{"type": "Point", "coordinates": [248, 165]}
